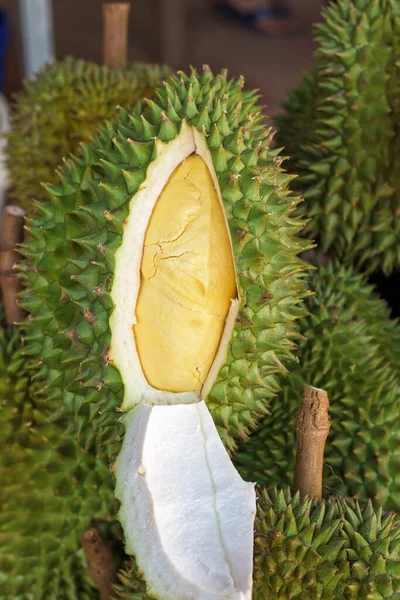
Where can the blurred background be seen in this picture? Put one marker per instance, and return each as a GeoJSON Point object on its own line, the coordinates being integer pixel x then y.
{"type": "Point", "coordinates": [179, 33]}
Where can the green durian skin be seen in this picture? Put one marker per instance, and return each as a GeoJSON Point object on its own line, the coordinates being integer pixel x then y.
{"type": "Point", "coordinates": [62, 107]}
{"type": "Point", "coordinates": [51, 491]}
{"type": "Point", "coordinates": [332, 550]}
{"type": "Point", "coordinates": [131, 585]}
{"type": "Point", "coordinates": [351, 348]}
{"type": "Point", "coordinates": [298, 118]}
{"type": "Point", "coordinates": [340, 128]}
{"type": "Point", "coordinates": [70, 258]}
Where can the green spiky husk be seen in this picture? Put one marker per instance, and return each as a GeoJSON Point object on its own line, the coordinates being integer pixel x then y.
{"type": "Point", "coordinates": [333, 550]}
{"type": "Point", "coordinates": [17, 386]}
{"type": "Point", "coordinates": [51, 491]}
{"type": "Point", "coordinates": [70, 259]}
{"type": "Point", "coordinates": [131, 585]}
{"type": "Point", "coordinates": [62, 107]}
{"type": "Point", "coordinates": [346, 149]}
{"type": "Point", "coordinates": [350, 348]}
{"type": "Point", "coordinates": [298, 118]}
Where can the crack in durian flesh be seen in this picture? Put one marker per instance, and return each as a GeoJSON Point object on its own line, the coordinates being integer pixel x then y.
{"type": "Point", "coordinates": [187, 281]}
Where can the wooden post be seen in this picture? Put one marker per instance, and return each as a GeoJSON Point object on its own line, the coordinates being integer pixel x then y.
{"type": "Point", "coordinates": [312, 428]}
{"type": "Point", "coordinates": [115, 50]}
{"type": "Point", "coordinates": [101, 563]}
{"type": "Point", "coordinates": [11, 234]}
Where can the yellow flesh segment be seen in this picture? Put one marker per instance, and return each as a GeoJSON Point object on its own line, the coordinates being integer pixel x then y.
{"type": "Point", "coordinates": [187, 281]}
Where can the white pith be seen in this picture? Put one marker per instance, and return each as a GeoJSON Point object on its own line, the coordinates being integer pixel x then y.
{"type": "Point", "coordinates": [126, 283]}
{"type": "Point", "coordinates": [187, 514]}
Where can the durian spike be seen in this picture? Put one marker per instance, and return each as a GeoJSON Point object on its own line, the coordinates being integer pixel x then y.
{"type": "Point", "coordinates": [312, 428]}
{"type": "Point", "coordinates": [115, 50]}
{"type": "Point", "coordinates": [101, 563]}
{"type": "Point", "coordinates": [12, 233]}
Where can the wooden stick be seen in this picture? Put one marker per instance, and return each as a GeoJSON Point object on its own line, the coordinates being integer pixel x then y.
{"type": "Point", "coordinates": [12, 225]}
{"type": "Point", "coordinates": [312, 428]}
{"type": "Point", "coordinates": [102, 566]}
{"type": "Point", "coordinates": [115, 51]}
{"type": "Point", "coordinates": [11, 234]}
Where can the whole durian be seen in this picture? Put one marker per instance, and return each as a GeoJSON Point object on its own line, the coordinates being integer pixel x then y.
{"type": "Point", "coordinates": [78, 248]}
{"type": "Point", "coordinates": [51, 491]}
{"type": "Point", "coordinates": [62, 107]}
{"type": "Point", "coordinates": [332, 550]}
{"type": "Point", "coordinates": [350, 347]}
{"type": "Point", "coordinates": [345, 146]}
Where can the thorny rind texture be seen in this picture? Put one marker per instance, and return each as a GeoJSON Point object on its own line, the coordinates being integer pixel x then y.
{"type": "Point", "coordinates": [340, 129]}
{"type": "Point", "coordinates": [51, 491]}
{"type": "Point", "coordinates": [333, 550]}
{"type": "Point", "coordinates": [349, 347]}
{"type": "Point", "coordinates": [62, 107]}
{"type": "Point", "coordinates": [69, 261]}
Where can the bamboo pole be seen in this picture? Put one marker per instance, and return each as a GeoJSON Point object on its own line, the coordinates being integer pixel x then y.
{"type": "Point", "coordinates": [115, 50]}
{"type": "Point", "coordinates": [101, 563]}
{"type": "Point", "coordinates": [312, 428]}
{"type": "Point", "coordinates": [11, 234]}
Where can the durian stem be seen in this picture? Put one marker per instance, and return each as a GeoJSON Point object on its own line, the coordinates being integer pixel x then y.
{"type": "Point", "coordinates": [101, 563]}
{"type": "Point", "coordinates": [115, 51]}
{"type": "Point", "coordinates": [312, 428]}
{"type": "Point", "coordinates": [11, 234]}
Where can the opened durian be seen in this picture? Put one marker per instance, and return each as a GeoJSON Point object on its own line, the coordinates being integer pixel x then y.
{"type": "Point", "coordinates": [163, 278]}
{"type": "Point", "coordinates": [62, 107]}
{"type": "Point", "coordinates": [351, 348]}
{"type": "Point", "coordinates": [51, 491]}
{"type": "Point", "coordinates": [345, 143]}
{"type": "Point", "coordinates": [84, 263]}
{"type": "Point", "coordinates": [331, 550]}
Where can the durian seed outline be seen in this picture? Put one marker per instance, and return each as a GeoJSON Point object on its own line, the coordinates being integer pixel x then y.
{"type": "Point", "coordinates": [126, 283]}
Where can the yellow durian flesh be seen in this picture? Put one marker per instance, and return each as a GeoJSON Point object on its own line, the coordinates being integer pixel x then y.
{"type": "Point", "coordinates": [187, 281]}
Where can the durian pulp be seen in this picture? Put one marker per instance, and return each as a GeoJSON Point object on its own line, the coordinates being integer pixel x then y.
{"type": "Point", "coordinates": [187, 281]}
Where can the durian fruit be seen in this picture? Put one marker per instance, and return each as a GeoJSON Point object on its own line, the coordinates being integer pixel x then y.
{"type": "Point", "coordinates": [345, 145]}
{"type": "Point", "coordinates": [350, 347]}
{"type": "Point", "coordinates": [332, 550]}
{"type": "Point", "coordinates": [163, 275]}
{"type": "Point", "coordinates": [83, 261]}
{"type": "Point", "coordinates": [51, 491]}
{"type": "Point", "coordinates": [62, 107]}
{"type": "Point", "coordinates": [131, 585]}
{"type": "Point", "coordinates": [16, 384]}
{"type": "Point", "coordinates": [298, 117]}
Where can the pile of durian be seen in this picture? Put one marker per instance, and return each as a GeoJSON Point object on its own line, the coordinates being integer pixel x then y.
{"type": "Point", "coordinates": [173, 319]}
